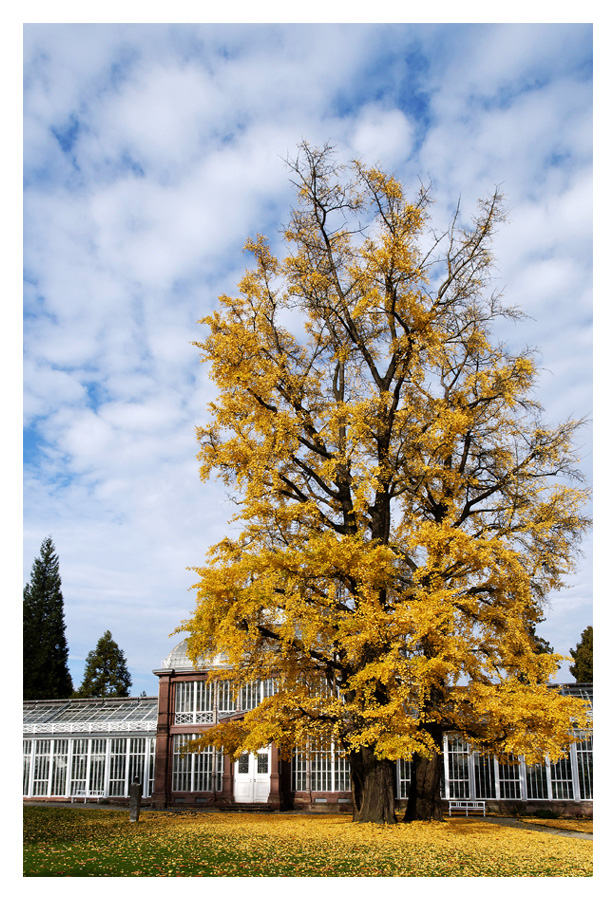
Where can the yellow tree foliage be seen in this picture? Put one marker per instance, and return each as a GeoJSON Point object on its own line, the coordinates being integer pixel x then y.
{"type": "Point", "coordinates": [404, 509]}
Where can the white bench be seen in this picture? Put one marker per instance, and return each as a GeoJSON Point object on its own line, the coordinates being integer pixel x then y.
{"type": "Point", "coordinates": [464, 806]}
{"type": "Point", "coordinates": [87, 795]}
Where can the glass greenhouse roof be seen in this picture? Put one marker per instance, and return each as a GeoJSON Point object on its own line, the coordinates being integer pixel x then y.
{"type": "Point", "coordinates": [583, 691]}
{"type": "Point", "coordinates": [91, 715]}
{"type": "Point", "coordinates": [179, 659]}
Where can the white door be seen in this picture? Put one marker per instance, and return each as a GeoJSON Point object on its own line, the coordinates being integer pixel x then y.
{"type": "Point", "coordinates": [252, 777]}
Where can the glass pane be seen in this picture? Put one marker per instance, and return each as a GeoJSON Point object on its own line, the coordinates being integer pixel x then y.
{"type": "Point", "coordinates": [562, 779]}
{"type": "Point", "coordinates": [182, 765]}
{"type": "Point", "coordinates": [41, 767]}
{"type": "Point", "coordinates": [136, 760]}
{"type": "Point", "coordinates": [80, 764]}
{"type": "Point", "coordinates": [404, 777]}
{"type": "Point", "coordinates": [509, 780]}
{"type": "Point", "coordinates": [299, 769]}
{"type": "Point", "coordinates": [485, 785]}
{"type": "Point", "coordinates": [203, 770]}
{"type": "Point", "coordinates": [117, 767]}
{"type": "Point", "coordinates": [321, 765]}
{"type": "Point", "coordinates": [250, 695]}
{"type": "Point", "coordinates": [184, 702]}
{"type": "Point", "coordinates": [262, 763]}
{"type": "Point", "coordinates": [537, 782]}
{"type": "Point", "coordinates": [458, 759]}
{"type": "Point", "coordinates": [97, 764]}
{"type": "Point", "coordinates": [242, 766]}
{"type": "Point", "coordinates": [342, 773]}
{"type": "Point", "coordinates": [584, 765]}
{"type": "Point", "coordinates": [151, 751]}
{"type": "Point", "coordinates": [59, 769]}
{"type": "Point", "coordinates": [204, 702]}
{"type": "Point", "coordinates": [27, 752]}
{"type": "Point", "coordinates": [226, 701]}
{"type": "Point", "coordinates": [220, 762]}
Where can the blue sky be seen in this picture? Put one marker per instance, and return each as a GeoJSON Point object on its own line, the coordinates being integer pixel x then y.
{"type": "Point", "coordinates": [150, 153]}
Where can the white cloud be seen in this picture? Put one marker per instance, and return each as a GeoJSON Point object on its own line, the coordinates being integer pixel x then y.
{"type": "Point", "coordinates": [48, 388]}
{"type": "Point", "coordinates": [382, 136]}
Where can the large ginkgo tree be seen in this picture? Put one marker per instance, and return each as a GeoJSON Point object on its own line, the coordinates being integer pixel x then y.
{"type": "Point", "coordinates": [404, 508]}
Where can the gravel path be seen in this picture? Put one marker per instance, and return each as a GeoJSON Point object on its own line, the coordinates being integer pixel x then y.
{"type": "Point", "coordinates": [515, 823]}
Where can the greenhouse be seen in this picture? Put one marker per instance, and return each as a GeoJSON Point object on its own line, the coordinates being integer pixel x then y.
{"type": "Point", "coordinates": [94, 748]}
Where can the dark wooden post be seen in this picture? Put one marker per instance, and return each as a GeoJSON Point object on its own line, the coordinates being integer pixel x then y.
{"type": "Point", "coordinates": [134, 799]}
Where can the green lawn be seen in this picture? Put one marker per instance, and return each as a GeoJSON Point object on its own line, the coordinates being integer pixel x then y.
{"type": "Point", "coordinates": [80, 842]}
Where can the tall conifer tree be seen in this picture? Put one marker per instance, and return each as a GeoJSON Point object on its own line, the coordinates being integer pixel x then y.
{"type": "Point", "coordinates": [45, 650]}
{"type": "Point", "coordinates": [106, 673]}
{"type": "Point", "coordinates": [582, 656]}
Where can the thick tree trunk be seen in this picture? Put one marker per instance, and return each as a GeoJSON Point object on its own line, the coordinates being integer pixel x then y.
{"type": "Point", "coordinates": [372, 782]}
{"type": "Point", "coordinates": [424, 802]}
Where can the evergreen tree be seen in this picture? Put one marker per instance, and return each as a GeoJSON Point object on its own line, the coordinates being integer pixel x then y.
{"type": "Point", "coordinates": [582, 655]}
{"type": "Point", "coordinates": [106, 673]}
{"type": "Point", "coordinates": [45, 651]}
